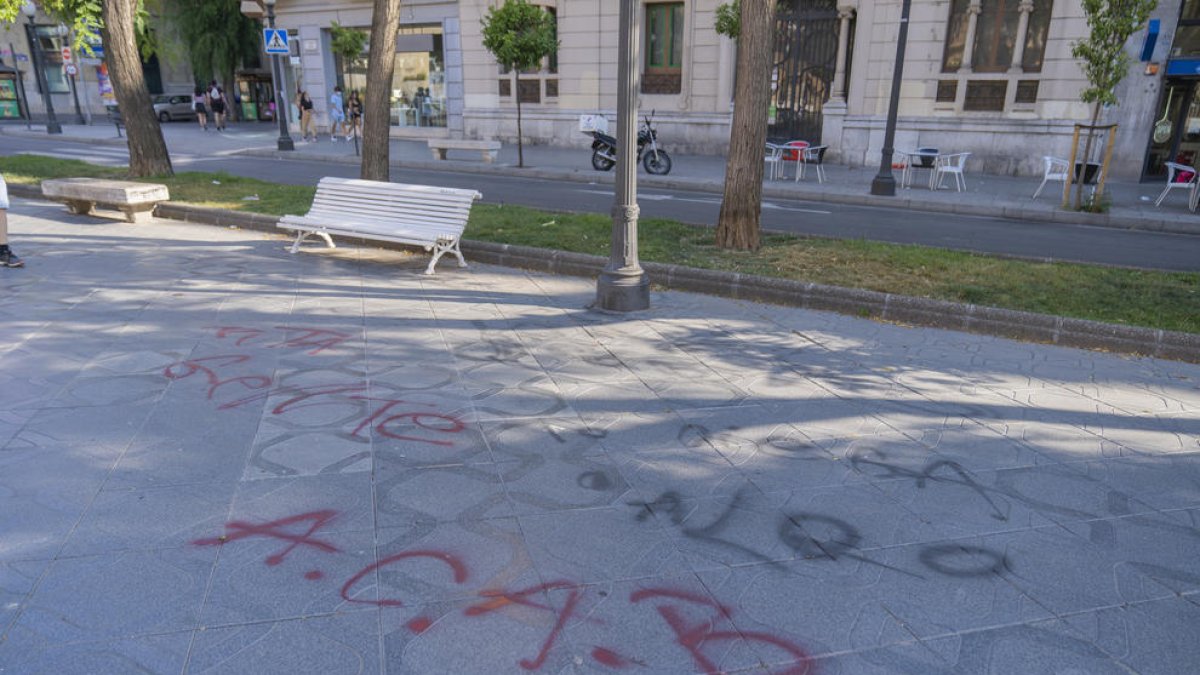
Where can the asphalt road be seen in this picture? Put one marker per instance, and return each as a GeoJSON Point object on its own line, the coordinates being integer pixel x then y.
{"type": "Point", "coordinates": [1041, 241]}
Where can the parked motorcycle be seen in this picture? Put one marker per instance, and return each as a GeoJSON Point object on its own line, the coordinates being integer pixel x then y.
{"type": "Point", "coordinates": [655, 160]}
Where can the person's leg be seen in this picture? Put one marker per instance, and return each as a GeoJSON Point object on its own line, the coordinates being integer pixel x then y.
{"type": "Point", "coordinates": [7, 257]}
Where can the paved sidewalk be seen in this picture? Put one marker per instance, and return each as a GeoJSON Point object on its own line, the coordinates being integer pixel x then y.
{"type": "Point", "coordinates": [986, 195]}
{"type": "Point", "coordinates": [218, 457]}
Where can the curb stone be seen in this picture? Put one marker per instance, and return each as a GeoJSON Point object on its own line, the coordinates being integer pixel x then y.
{"type": "Point", "coordinates": [915, 311]}
{"type": "Point", "coordinates": [1026, 212]}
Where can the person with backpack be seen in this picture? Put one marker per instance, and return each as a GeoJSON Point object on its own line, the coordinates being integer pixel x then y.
{"type": "Point", "coordinates": [217, 99]}
{"type": "Point", "coordinates": [201, 109]}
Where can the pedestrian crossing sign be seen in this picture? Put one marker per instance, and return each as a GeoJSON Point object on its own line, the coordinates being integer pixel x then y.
{"type": "Point", "coordinates": [275, 41]}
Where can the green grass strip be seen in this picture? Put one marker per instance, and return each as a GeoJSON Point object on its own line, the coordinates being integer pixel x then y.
{"type": "Point", "coordinates": [1166, 300]}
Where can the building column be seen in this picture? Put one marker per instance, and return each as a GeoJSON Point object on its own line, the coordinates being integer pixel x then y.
{"type": "Point", "coordinates": [973, 11]}
{"type": "Point", "coordinates": [845, 13]}
{"type": "Point", "coordinates": [1025, 8]}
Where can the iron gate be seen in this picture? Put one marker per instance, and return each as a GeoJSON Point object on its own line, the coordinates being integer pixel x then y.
{"type": "Point", "coordinates": [806, 37]}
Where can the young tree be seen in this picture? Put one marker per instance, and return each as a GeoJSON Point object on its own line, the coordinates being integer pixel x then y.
{"type": "Point", "coordinates": [519, 35]}
{"type": "Point", "coordinates": [741, 206]}
{"type": "Point", "coordinates": [385, 24]}
{"type": "Point", "coordinates": [124, 28]}
{"type": "Point", "coordinates": [218, 38]}
{"type": "Point", "coordinates": [1102, 55]}
{"type": "Point", "coordinates": [347, 43]}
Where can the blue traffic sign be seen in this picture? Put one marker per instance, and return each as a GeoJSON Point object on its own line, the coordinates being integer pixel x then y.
{"type": "Point", "coordinates": [275, 41]}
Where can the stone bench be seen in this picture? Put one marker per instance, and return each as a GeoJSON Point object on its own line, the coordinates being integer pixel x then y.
{"type": "Point", "coordinates": [81, 195]}
{"type": "Point", "coordinates": [439, 146]}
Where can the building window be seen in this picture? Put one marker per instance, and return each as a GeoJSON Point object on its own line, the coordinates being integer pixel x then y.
{"type": "Point", "coordinates": [1187, 36]}
{"type": "Point", "coordinates": [985, 95]}
{"type": "Point", "coordinates": [49, 46]}
{"type": "Point", "coordinates": [663, 73]}
{"type": "Point", "coordinates": [991, 46]}
{"type": "Point", "coordinates": [535, 84]}
{"type": "Point", "coordinates": [418, 94]}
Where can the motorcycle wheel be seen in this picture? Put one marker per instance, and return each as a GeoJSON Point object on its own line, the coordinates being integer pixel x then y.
{"type": "Point", "coordinates": [600, 162]}
{"type": "Point", "coordinates": [658, 163]}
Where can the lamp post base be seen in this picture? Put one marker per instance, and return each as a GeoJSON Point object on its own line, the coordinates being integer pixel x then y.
{"type": "Point", "coordinates": [622, 292]}
{"type": "Point", "coordinates": [884, 185]}
{"type": "Point", "coordinates": [285, 144]}
{"type": "Point", "coordinates": [53, 127]}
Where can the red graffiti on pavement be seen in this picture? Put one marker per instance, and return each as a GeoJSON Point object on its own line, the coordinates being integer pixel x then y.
{"type": "Point", "coordinates": [456, 565]}
{"type": "Point", "coordinates": [189, 367]}
{"type": "Point", "coordinates": [694, 638]}
{"type": "Point", "coordinates": [319, 339]}
{"type": "Point", "coordinates": [498, 599]}
{"type": "Point", "coordinates": [275, 529]}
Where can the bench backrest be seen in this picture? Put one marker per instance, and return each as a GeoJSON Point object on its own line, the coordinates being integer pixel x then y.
{"type": "Point", "coordinates": [399, 203]}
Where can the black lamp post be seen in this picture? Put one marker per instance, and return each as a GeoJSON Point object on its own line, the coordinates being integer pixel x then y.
{"type": "Point", "coordinates": [30, 11]}
{"type": "Point", "coordinates": [63, 31]}
{"type": "Point", "coordinates": [285, 141]}
{"type": "Point", "coordinates": [884, 182]}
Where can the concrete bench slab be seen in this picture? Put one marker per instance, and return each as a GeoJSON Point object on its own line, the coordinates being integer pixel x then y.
{"type": "Point", "coordinates": [81, 195]}
{"type": "Point", "coordinates": [489, 149]}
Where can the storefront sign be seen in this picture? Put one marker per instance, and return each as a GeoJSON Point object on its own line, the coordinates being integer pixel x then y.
{"type": "Point", "coordinates": [414, 43]}
{"type": "Point", "coordinates": [1183, 67]}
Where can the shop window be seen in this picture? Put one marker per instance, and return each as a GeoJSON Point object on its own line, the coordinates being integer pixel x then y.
{"type": "Point", "coordinates": [663, 73]}
{"type": "Point", "coordinates": [418, 95]}
{"type": "Point", "coordinates": [49, 46]}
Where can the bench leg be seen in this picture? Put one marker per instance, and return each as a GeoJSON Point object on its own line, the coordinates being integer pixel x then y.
{"type": "Point", "coordinates": [301, 235]}
{"type": "Point", "coordinates": [489, 156]}
{"type": "Point", "coordinates": [327, 238]}
{"type": "Point", "coordinates": [441, 248]}
{"type": "Point", "coordinates": [137, 215]}
{"type": "Point", "coordinates": [80, 207]}
{"type": "Point", "coordinates": [438, 153]}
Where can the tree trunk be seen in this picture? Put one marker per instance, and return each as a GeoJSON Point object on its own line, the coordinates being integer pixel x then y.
{"type": "Point", "coordinates": [1087, 153]}
{"type": "Point", "coordinates": [738, 224]}
{"type": "Point", "coordinates": [147, 150]}
{"type": "Point", "coordinates": [385, 24]}
{"type": "Point", "coordinates": [520, 145]}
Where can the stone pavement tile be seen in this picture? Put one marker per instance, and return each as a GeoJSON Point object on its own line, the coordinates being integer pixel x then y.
{"type": "Point", "coordinates": [43, 492]}
{"type": "Point", "coordinates": [102, 432]}
{"type": "Point", "coordinates": [483, 634]}
{"type": "Point", "coordinates": [827, 522]}
{"type": "Point", "coordinates": [147, 654]}
{"type": "Point", "coordinates": [1151, 637]}
{"type": "Point", "coordinates": [576, 357]}
{"type": "Point", "coordinates": [1150, 434]}
{"type": "Point", "coordinates": [1064, 572]}
{"type": "Point", "coordinates": [627, 434]}
{"type": "Point", "coordinates": [694, 472]}
{"type": "Point", "coordinates": [1036, 647]}
{"type": "Point", "coordinates": [289, 571]}
{"type": "Point", "coordinates": [666, 624]}
{"type": "Point", "coordinates": [405, 495]}
{"type": "Point", "coordinates": [113, 595]}
{"type": "Point", "coordinates": [537, 484]}
{"type": "Point", "coordinates": [434, 440]}
{"type": "Point", "coordinates": [1165, 482]}
{"type": "Point", "coordinates": [602, 404]}
{"type": "Point", "coordinates": [345, 642]}
{"type": "Point", "coordinates": [827, 417]}
{"type": "Point", "coordinates": [594, 545]}
{"type": "Point", "coordinates": [743, 529]}
{"type": "Point", "coordinates": [559, 438]}
{"type": "Point", "coordinates": [1162, 547]}
{"type": "Point", "coordinates": [1062, 493]}
{"type": "Point", "coordinates": [284, 448]}
{"type": "Point", "coordinates": [863, 602]}
{"type": "Point", "coordinates": [487, 374]}
{"type": "Point", "coordinates": [163, 517]}
{"type": "Point", "coordinates": [1061, 443]}
{"type": "Point", "coordinates": [978, 448]}
{"type": "Point", "coordinates": [536, 401]}
{"type": "Point", "coordinates": [350, 495]}
{"type": "Point", "coordinates": [17, 579]}
{"type": "Point", "coordinates": [206, 453]}
{"type": "Point", "coordinates": [439, 562]}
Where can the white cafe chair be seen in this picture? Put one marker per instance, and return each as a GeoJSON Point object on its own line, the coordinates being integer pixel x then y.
{"type": "Point", "coordinates": [1054, 169]}
{"type": "Point", "coordinates": [814, 156]}
{"type": "Point", "coordinates": [951, 165]}
{"type": "Point", "coordinates": [1173, 170]}
{"type": "Point", "coordinates": [773, 156]}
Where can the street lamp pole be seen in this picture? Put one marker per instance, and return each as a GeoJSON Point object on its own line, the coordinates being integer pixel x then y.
{"type": "Point", "coordinates": [884, 182]}
{"type": "Point", "coordinates": [30, 11]}
{"type": "Point", "coordinates": [63, 31]}
{"type": "Point", "coordinates": [285, 142]}
{"type": "Point", "coordinates": [623, 285]}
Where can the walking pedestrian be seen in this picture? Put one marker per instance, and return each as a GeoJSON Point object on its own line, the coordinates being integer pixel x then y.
{"type": "Point", "coordinates": [7, 257]}
{"type": "Point", "coordinates": [217, 97]}
{"type": "Point", "coordinates": [306, 112]}
{"type": "Point", "coordinates": [337, 115]}
{"type": "Point", "coordinates": [200, 107]}
{"type": "Point", "coordinates": [356, 112]}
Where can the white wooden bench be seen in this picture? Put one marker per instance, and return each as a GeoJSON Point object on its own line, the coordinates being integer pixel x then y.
{"type": "Point", "coordinates": [439, 146]}
{"type": "Point", "coordinates": [419, 215]}
{"type": "Point", "coordinates": [135, 200]}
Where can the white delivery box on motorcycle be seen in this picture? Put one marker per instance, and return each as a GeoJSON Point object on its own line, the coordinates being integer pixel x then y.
{"type": "Point", "coordinates": [590, 123]}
